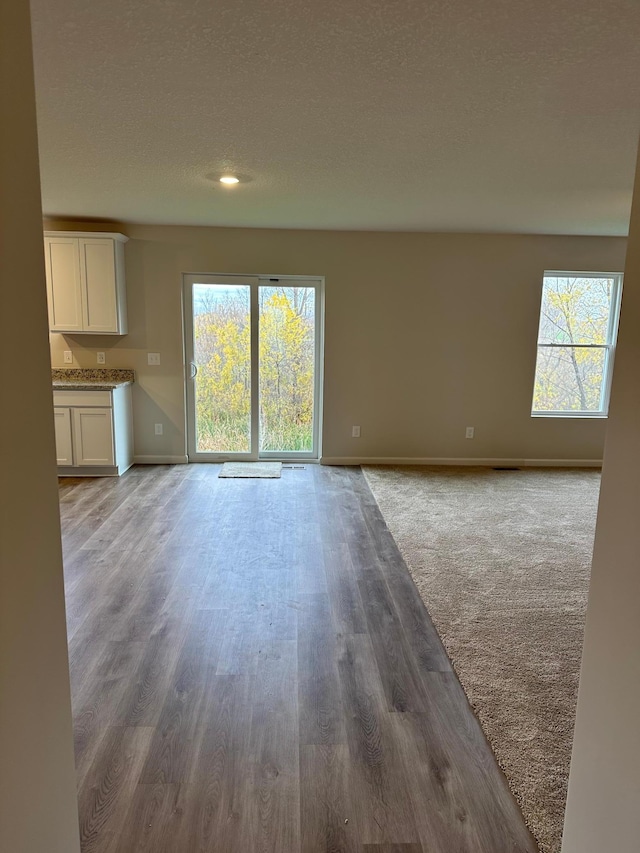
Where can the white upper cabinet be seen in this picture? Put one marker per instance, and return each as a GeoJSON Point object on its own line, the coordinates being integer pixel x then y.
{"type": "Point", "coordinates": [98, 275]}
{"type": "Point", "coordinates": [85, 282]}
{"type": "Point", "coordinates": [64, 294]}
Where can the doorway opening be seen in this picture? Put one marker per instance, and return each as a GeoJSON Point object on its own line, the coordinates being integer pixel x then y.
{"type": "Point", "coordinates": [253, 350]}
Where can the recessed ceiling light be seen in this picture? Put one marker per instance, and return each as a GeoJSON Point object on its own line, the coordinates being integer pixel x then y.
{"type": "Point", "coordinates": [229, 179]}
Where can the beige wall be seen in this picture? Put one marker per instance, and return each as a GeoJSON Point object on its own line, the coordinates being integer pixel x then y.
{"type": "Point", "coordinates": [603, 807]}
{"type": "Point", "coordinates": [425, 334]}
{"type": "Point", "coordinates": [38, 809]}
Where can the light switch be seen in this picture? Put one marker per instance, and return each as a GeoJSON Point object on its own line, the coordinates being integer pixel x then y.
{"type": "Point", "coordinates": [153, 358]}
{"type": "Point", "coordinates": [68, 356]}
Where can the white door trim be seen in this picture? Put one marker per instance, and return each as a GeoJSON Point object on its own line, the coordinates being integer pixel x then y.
{"type": "Point", "coordinates": [254, 281]}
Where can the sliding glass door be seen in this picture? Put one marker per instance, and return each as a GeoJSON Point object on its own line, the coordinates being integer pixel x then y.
{"type": "Point", "coordinates": [287, 368]}
{"type": "Point", "coordinates": [253, 367]}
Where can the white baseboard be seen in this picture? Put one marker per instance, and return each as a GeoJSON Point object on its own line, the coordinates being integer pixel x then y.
{"type": "Point", "coordinates": [160, 460]}
{"type": "Point", "coordinates": [480, 462]}
{"type": "Point", "coordinates": [88, 471]}
{"type": "Point", "coordinates": [562, 463]}
{"type": "Point", "coordinates": [410, 460]}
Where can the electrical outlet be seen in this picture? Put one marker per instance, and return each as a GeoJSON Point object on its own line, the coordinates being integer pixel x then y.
{"type": "Point", "coordinates": [158, 429]}
{"type": "Point", "coordinates": [68, 356]}
{"type": "Point", "coordinates": [355, 432]}
{"type": "Point", "coordinates": [101, 358]}
{"type": "Point", "coordinates": [469, 432]}
{"type": "Point", "coordinates": [153, 358]}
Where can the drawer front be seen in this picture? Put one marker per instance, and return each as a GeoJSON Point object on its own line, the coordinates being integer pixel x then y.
{"type": "Point", "coordinates": [82, 398]}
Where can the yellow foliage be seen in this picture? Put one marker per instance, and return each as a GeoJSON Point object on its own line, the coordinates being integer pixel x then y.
{"type": "Point", "coordinates": [286, 359]}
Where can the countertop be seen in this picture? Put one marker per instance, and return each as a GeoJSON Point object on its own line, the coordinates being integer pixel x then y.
{"type": "Point", "coordinates": [90, 379]}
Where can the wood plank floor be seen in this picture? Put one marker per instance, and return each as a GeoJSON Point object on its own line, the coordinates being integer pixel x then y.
{"type": "Point", "coordinates": [253, 670]}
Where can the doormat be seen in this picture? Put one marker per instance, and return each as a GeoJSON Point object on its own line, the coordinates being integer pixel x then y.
{"type": "Point", "coordinates": [264, 470]}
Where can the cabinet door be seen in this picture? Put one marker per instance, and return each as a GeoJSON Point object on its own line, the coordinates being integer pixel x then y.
{"type": "Point", "coordinates": [64, 287]}
{"type": "Point", "coordinates": [93, 436]}
{"type": "Point", "coordinates": [64, 445]}
{"type": "Point", "coordinates": [98, 272]}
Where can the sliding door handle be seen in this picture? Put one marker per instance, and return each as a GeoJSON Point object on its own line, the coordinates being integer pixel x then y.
{"type": "Point", "coordinates": [193, 368]}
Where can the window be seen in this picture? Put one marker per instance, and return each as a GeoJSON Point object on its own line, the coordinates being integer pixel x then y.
{"type": "Point", "coordinates": [576, 343]}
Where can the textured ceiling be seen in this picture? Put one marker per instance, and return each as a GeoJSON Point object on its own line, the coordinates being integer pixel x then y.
{"type": "Point", "coordinates": [504, 115]}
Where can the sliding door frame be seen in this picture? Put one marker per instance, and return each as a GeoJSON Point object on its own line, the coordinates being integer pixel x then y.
{"type": "Point", "coordinates": [190, 369]}
{"type": "Point", "coordinates": [317, 283]}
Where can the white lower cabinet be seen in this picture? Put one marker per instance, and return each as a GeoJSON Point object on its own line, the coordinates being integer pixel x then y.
{"type": "Point", "coordinates": [94, 434]}
{"type": "Point", "coordinates": [64, 441]}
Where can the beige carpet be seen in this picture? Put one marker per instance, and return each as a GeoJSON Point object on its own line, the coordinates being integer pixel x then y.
{"type": "Point", "coordinates": [502, 560]}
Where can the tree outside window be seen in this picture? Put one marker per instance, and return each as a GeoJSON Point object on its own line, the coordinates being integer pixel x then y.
{"type": "Point", "coordinates": [576, 341]}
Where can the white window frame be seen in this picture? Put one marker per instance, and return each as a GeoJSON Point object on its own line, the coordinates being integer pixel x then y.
{"type": "Point", "coordinates": [609, 346]}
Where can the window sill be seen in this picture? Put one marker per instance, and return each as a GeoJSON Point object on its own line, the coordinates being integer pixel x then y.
{"type": "Point", "coordinates": [588, 416]}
